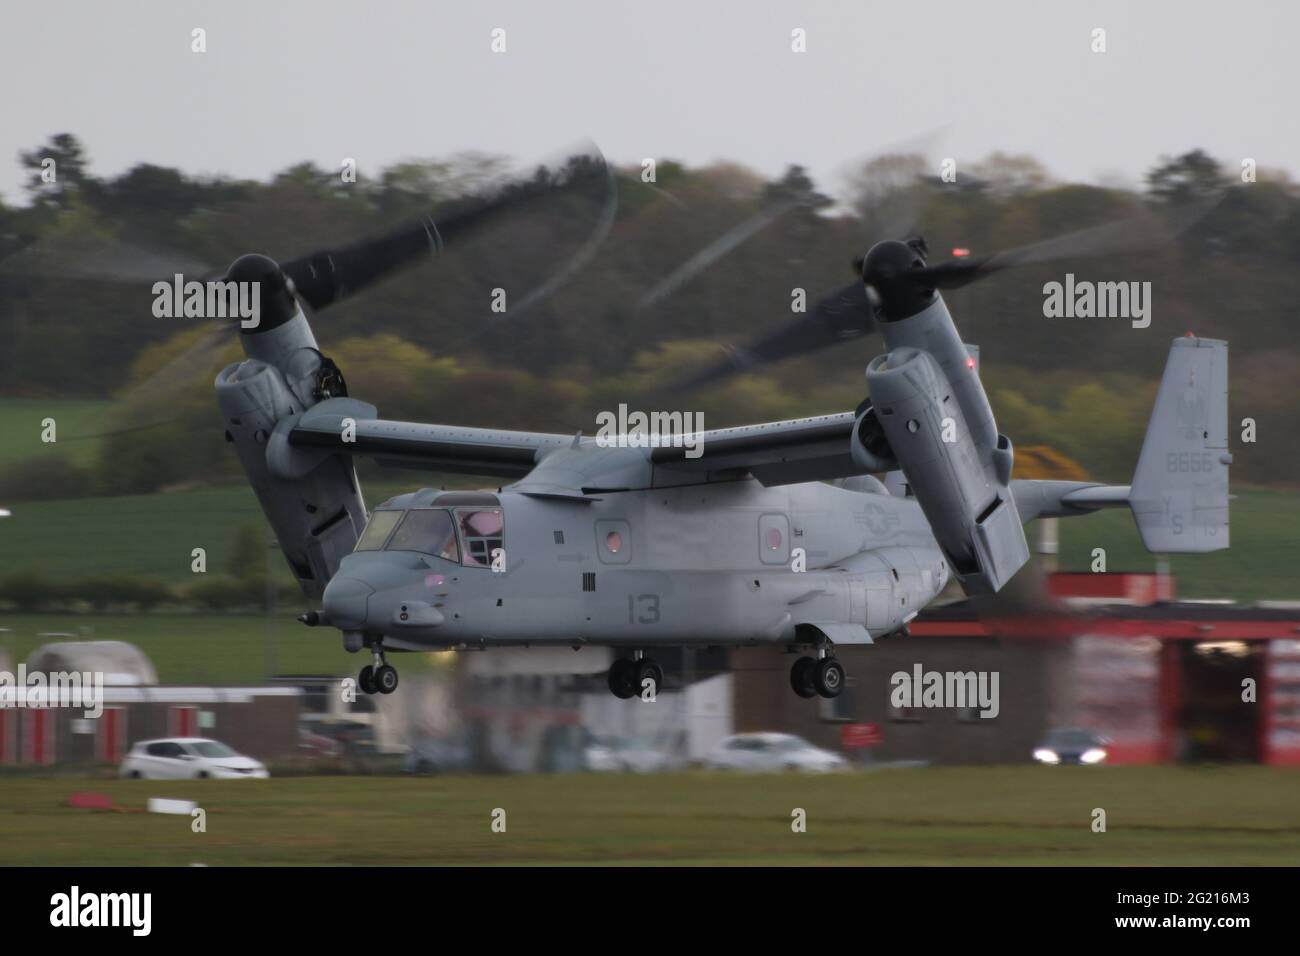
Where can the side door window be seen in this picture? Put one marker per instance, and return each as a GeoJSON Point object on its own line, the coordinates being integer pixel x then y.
{"type": "Point", "coordinates": [482, 533]}
{"type": "Point", "coordinates": [747, 752]}
{"type": "Point", "coordinates": [614, 541]}
{"type": "Point", "coordinates": [166, 758]}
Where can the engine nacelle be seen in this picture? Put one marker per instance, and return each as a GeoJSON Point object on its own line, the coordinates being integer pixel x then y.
{"type": "Point", "coordinates": [318, 513]}
{"type": "Point", "coordinates": [869, 447]}
{"type": "Point", "coordinates": [960, 485]}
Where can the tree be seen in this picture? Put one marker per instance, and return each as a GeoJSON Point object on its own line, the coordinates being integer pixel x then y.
{"type": "Point", "coordinates": [63, 158]}
{"type": "Point", "coordinates": [887, 182]}
{"type": "Point", "coordinates": [1009, 175]}
{"type": "Point", "coordinates": [1186, 178]}
{"type": "Point", "coordinates": [797, 186]}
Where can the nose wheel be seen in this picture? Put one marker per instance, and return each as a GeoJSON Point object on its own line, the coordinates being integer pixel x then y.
{"type": "Point", "coordinates": [378, 678]}
{"type": "Point", "coordinates": [817, 677]}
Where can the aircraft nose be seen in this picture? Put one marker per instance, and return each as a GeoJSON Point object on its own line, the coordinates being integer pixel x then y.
{"type": "Point", "coordinates": [344, 601]}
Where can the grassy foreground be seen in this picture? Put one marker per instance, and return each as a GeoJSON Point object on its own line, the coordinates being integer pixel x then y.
{"type": "Point", "coordinates": [939, 816]}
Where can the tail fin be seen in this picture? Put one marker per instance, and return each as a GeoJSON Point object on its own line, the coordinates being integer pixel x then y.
{"type": "Point", "coordinates": [1179, 496]}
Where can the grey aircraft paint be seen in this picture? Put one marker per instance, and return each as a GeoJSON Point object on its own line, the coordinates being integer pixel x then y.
{"type": "Point", "coordinates": [704, 564]}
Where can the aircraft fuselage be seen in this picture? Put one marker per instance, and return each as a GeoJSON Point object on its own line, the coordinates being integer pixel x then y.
{"type": "Point", "coordinates": [721, 563]}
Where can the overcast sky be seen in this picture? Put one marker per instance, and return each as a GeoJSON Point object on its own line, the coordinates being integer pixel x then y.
{"type": "Point", "coordinates": [692, 79]}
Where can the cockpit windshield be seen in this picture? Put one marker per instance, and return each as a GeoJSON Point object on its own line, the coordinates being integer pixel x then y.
{"type": "Point", "coordinates": [428, 530]}
{"type": "Point", "coordinates": [433, 531]}
{"type": "Point", "coordinates": [377, 530]}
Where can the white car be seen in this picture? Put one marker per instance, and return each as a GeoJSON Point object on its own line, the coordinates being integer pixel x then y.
{"type": "Point", "coordinates": [772, 752]}
{"type": "Point", "coordinates": [636, 754]}
{"type": "Point", "coordinates": [190, 758]}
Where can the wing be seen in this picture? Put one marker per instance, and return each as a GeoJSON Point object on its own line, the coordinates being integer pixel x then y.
{"type": "Point", "coordinates": [348, 426]}
{"type": "Point", "coordinates": [775, 453]}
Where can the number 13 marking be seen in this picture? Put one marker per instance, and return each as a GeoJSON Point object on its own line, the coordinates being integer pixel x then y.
{"type": "Point", "coordinates": [649, 607]}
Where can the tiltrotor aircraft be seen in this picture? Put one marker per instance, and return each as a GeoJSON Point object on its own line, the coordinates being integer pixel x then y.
{"type": "Point", "coordinates": [776, 533]}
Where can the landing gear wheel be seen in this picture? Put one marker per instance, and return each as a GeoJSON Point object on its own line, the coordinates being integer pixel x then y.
{"type": "Point", "coordinates": [828, 677]}
{"type": "Point", "coordinates": [366, 680]}
{"type": "Point", "coordinates": [647, 670]}
{"type": "Point", "coordinates": [386, 679]}
{"type": "Point", "coordinates": [622, 678]}
{"type": "Point", "coordinates": [801, 677]}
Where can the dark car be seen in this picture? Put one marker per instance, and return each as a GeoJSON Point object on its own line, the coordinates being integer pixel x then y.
{"type": "Point", "coordinates": [1071, 745]}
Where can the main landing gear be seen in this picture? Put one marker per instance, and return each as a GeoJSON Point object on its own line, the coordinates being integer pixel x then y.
{"type": "Point", "coordinates": [814, 676]}
{"type": "Point", "coordinates": [627, 678]}
{"type": "Point", "coordinates": [378, 678]}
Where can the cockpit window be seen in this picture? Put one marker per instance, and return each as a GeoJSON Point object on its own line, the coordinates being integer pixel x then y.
{"type": "Point", "coordinates": [428, 530]}
{"type": "Point", "coordinates": [481, 530]}
{"type": "Point", "coordinates": [376, 533]}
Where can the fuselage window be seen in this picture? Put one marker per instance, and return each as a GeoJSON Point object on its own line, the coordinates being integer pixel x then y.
{"type": "Point", "coordinates": [377, 529]}
{"type": "Point", "coordinates": [482, 533]}
{"type": "Point", "coordinates": [427, 530]}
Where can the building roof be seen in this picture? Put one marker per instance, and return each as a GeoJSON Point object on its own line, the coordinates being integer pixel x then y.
{"type": "Point", "coordinates": [122, 664]}
{"type": "Point", "coordinates": [1187, 620]}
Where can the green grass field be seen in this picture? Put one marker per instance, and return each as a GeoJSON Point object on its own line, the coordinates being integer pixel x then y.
{"type": "Point", "coordinates": [198, 648]}
{"type": "Point", "coordinates": [1260, 563]}
{"type": "Point", "coordinates": [149, 535]}
{"type": "Point", "coordinates": [939, 816]}
{"type": "Point", "coordinates": [20, 424]}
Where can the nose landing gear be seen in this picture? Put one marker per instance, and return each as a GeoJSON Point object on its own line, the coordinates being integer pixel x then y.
{"type": "Point", "coordinates": [378, 678]}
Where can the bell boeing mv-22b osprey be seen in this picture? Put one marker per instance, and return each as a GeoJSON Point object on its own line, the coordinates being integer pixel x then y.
{"type": "Point", "coordinates": [777, 533]}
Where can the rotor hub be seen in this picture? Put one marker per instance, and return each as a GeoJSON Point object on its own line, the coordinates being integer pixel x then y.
{"type": "Point", "coordinates": [885, 271]}
{"type": "Point", "coordinates": [276, 304]}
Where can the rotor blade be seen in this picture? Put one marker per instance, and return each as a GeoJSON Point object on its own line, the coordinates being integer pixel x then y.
{"type": "Point", "coordinates": [897, 211]}
{"type": "Point", "coordinates": [328, 276]}
{"type": "Point", "coordinates": [153, 402]}
{"type": "Point", "coordinates": [1123, 237]}
{"type": "Point", "coordinates": [844, 314]}
{"type": "Point", "coordinates": [579, 261]}
{"type": "Point", "coordinates": [102, 259]}
{"type": "Point", "coordinates": [713, 252]}
{"type": "Point", "coordinates": [893, 183]}
{"type": "Point", "coordinates": [184, 368]}
{"type": "Point", "coordinates": [201, 355]}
